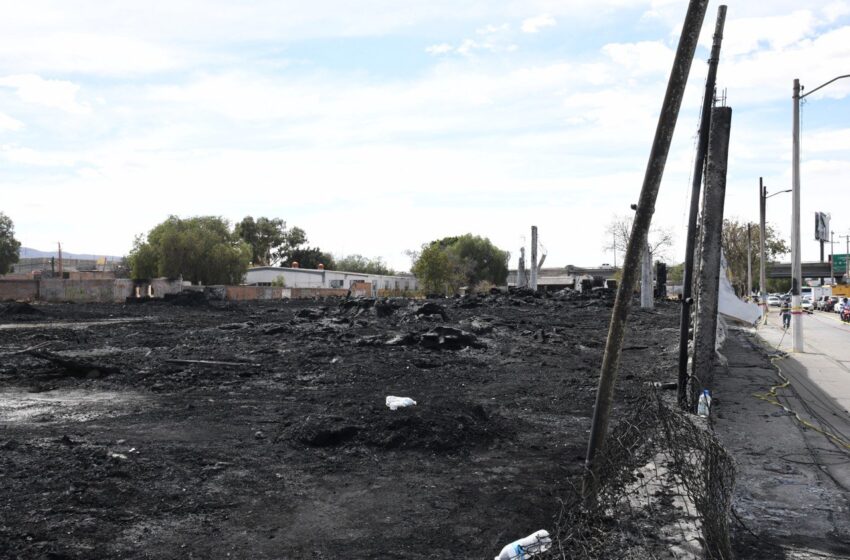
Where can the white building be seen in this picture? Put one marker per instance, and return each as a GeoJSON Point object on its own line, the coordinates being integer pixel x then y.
{"type": "Point", "coordinates": [317, 278]}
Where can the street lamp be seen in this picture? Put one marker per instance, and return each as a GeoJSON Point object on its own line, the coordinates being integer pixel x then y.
{"type": "Point", "coordinates": [796, 264]}
{"type": "Point", "coordinates": [763, 196]}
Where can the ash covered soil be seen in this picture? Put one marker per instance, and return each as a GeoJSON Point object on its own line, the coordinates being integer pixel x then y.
{"type": "Point", "coordinates": [120, 440]}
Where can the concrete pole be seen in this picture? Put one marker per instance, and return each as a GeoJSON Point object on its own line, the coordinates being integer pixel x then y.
{"type": "Point", "coordinates": [832, 256]}
{"type": "Point", "coordinates": [640, 228]}
{"type": "Point", "coordinates": [534, 258]}
{"type": "Point", "coordinates": [749, 263]}
{"type": "Point", "coordinates": [705, 330]}
{"type": "Point", "coordinates": [520, 272]}
{"type": "Point", "coordinates": [762, 264]}
{"type": "Point", "coordinates": [646, 279]}
{"type": "Point", "coordinates": [699, 167]}
{"type": "Point", "coordinates": [796, 264]}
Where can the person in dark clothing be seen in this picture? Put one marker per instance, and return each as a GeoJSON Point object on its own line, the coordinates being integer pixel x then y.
{"type": "Point", "coordinates": [786, 313]}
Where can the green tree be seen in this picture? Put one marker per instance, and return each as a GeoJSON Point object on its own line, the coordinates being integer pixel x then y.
{"type": "Point", "coordinates": [734, 242]}
{"type": "Point", "coordinates": [676, 274]}
{"type": "Point", "coordinates": [310, 257]}
{"type": "Point", "coordinates": [201, 249]}
{"type": "Point", "coordinates": [271, 242]}
{"type": "Point", "coordinates": [359, 263]}
{"type": "Point", "coordinates": [444, 265]}
{"type": "Point", "coordinates": [9, 246]}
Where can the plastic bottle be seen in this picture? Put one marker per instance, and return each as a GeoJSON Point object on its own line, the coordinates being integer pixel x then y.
{"type": "Point", "coordinates": [527, 547]}
{"type": "Point", "coordinates": [704, 404]}
{"type": "Point", "coordinates": [399, 402]}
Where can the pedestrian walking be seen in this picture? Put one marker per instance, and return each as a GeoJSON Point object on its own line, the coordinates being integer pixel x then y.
{"type": "Point", "coordinates": [786, 313]}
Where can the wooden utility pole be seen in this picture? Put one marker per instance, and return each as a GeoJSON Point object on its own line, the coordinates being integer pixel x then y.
{"type": "Point", "coordinates": [640, 228]}
{"type": "Point", "coordinates": [705, 328]}
{"type": "Point", "coordinates": [699, 166]}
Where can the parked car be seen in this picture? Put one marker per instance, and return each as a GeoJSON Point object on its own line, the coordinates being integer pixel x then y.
{"type": "Point", "coordinates": [820, 303]}
{"type": "Point", "coordinates": [774, 301]}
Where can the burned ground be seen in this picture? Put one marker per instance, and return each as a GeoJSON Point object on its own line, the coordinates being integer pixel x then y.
{"type": "Point", "coordinates": [199, 430]}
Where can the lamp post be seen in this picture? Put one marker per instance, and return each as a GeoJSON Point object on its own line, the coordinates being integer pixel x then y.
{"type": "Point", "coordinates": [796, 265]}
{"type": "Point", "coordinates": [763, 196]}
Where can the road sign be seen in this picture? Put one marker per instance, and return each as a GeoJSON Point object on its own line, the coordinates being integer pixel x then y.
{"type": "Point", "coordinates": [839, 263]}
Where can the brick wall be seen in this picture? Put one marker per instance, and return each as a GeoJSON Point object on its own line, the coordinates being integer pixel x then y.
{"type": "Point", "coordinates": [306, 293]}
{"type": "Point", "coordinates": [250, 293]}
{"type": "Point", "coordinates": [20, 290]}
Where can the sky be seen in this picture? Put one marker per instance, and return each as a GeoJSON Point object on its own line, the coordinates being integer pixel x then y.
{"type": "Point", "coordinates": [378, 126]}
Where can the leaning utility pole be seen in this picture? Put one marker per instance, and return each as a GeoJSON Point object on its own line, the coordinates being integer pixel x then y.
{"type": "Point", "coordinates": [534, 258]}
{"type": "Point", "coordinates": [640, 228]}
{"type": "Point", "coordinates": [699, 166]}
{"type": "Point", "coordinates": [705, 326]}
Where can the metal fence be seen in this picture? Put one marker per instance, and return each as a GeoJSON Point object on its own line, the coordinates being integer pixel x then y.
{"type": "Point", "coordinates": [665, 492]}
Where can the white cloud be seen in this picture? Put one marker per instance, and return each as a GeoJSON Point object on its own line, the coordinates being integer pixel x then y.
{"type": "Point", "coordinates": [641, 59]}
{"type": "Point", "coordinates": [835, 10]}
{"type": "Point", "coordinates": [442, 48]}
{"type": "Point", "coordinates": [492, 29]}
{"type": "Point", "coordinates": [87, 53]}
{"type": "Point", "coordinates": [535, 24]}
{"type": "Point", "coordinates": [9, 123]}
{"type": "Point", "coordinates": [57, 94]}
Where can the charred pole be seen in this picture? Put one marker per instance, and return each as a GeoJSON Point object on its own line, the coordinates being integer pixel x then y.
{"type": "Point", "coordinates": [705, 327]}
{"type": "Point", "coordinates": [699, 166]}
{"type": "Point", "coordinates": [640, 229]}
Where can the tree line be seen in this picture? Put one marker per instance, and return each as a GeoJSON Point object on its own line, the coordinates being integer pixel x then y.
{"type": "Point", "coordinates": [208, 250]}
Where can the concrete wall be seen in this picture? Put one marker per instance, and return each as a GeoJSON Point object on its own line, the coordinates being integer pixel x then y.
{"type": "Point", "coordinates": [250, 293]}
{"type": "Point", "coordinates": [20, 290]}
{"type": "Point", "coordinates": [311, 278]}
{"type": "Point", "coordinates": [56, 290]}
{"type": "Point", "coordinates": [162, 286]}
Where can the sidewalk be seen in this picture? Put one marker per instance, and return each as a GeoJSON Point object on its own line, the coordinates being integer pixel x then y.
{"type": "Point", "coordinates": [792, 496]}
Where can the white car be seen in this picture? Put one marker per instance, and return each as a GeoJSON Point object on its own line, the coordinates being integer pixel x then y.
{"type": "Point", "coordinates": [774, 301]}
{"type": "Point", "coordinates": [806, 304]}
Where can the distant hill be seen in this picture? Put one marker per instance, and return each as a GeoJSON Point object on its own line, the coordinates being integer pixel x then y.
{"type": "Point", "coordinates": [29, 253]}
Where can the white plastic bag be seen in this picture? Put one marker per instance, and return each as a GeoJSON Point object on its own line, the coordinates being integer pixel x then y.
{"type": "Point", "coordinates": [399, 402]}
{"type": "Point", "coordinates": [527, 547]}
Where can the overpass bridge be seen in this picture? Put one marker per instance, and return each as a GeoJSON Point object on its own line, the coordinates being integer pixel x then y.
{"type": "Point", "coordinates": [810, 270]}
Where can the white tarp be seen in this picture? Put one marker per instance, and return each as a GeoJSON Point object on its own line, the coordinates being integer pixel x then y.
{"type": "Point", "coordinates": [730, 304]}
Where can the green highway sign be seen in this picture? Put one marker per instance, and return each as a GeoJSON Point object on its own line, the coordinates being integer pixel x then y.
{"type": "Point", "coordinates": [839, 263]}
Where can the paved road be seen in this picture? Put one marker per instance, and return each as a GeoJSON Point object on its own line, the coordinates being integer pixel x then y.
{"type": "Point", "coordinates": [793, 491]}
{"type": "Point", "coordinates": [826, 356]}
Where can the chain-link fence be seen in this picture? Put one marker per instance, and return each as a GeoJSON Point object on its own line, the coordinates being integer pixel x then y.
{"type": "Point", "coordinates": [665, 491]}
